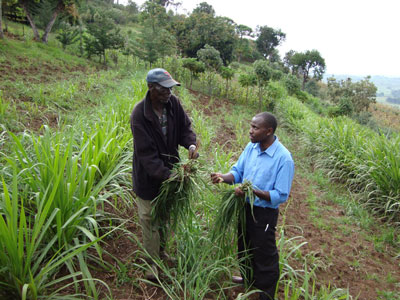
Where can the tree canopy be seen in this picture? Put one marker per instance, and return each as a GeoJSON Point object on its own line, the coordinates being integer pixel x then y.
{"type": "Point", "coordinates": [303, 63]}
{"type": "Point", "coordinates": [202, 28]}
{"type": "Point", "coordinates": [268, 39]}
{"type": "Point", "coordinates": [361, 93]}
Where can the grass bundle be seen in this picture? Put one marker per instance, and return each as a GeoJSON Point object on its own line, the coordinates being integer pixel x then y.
{"type": "Point", "coordinates": [232, 212]}
{"type": "Point", "coordinates": [173, 202]}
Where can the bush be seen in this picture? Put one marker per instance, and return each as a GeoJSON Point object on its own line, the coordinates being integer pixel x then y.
{"type": "Point", "coordinates": [312, 88]}
{"type": "Point", "coordinates": [235, 65]}
{"type": "Point", "coordinates": [117, 15]}
{"type": "Point", "coordinates": [346, 107]}
{"type": "Point", "coordinates": [302, 96]}
{"type": "Point", "coordinates": [363, 118]}
{"type": "Point", "coordinates": [274, 92]}
{"type": "Point", "coordinates": [292, 84]}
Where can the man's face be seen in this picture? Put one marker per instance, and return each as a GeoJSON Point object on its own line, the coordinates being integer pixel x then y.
{"type": "Point", "coordinates": [258, 131]}
{"type": "Point", "coordinates": [160, 93]}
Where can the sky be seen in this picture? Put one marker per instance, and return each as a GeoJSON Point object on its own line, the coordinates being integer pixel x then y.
{"type": "Point", "coordinates": [355, 37]}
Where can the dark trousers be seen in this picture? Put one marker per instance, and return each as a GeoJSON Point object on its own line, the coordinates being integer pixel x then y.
{"type": "Point", "coordinates": [262, 268]}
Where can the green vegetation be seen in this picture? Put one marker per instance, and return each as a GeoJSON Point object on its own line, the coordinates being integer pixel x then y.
{"type": "Point", "coordinates": [66, 145]}
{"type": "Point", "coordinates": [173, 204]}
{"type": "Point", "coordinates": [231, 213]}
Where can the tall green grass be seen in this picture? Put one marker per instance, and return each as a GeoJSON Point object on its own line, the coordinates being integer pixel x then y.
{"type": "Point", "coordinates": [27, 257]}
{"type": "Point", "coordinates": [367, 162]}
{"type": "Point", "coordinates": [60, 182]}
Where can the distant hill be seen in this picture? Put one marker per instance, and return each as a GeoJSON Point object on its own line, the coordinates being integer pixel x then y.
{"type": "Point", "coordinates": [388, 87]}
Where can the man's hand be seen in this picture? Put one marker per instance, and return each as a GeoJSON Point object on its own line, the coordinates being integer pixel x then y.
{"type": "Point", "coordinates": [216, 178]}
{"type": "Point", "coordinates": [239, 192]}
{"type": "Point", "coordinates": [193, 154]}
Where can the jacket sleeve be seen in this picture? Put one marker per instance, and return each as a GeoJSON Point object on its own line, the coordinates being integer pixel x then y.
{"type": "Point", "coordinates": [187, 136]}
{"type": "Point", "coordinates": [147, 153]}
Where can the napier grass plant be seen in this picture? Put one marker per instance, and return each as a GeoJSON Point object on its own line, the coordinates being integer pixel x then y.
{"type": "Point", "coordinates": [232, 212]}
{"type": "Point", "coordinates": [231, 215]}
{"type": "Point", "coordinates": [60, 180]}
{"type": "Point", "coordinates": [172, 205]}
{"type": "Point", "coordinates": [28, 263]}
{"type": "Point", "coordinates": [367, 162]}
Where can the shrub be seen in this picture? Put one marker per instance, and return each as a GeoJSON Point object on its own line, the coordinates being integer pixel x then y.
{"type": "Point", "coordinates": [292, 84]}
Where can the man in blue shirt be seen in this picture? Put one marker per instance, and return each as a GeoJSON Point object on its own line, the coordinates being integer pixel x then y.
{"type": "Point", "coordinates": [269, 166]}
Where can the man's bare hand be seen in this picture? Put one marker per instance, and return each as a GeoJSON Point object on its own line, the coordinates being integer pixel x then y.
{"type": "Point", "coordinates": [216, 178]}
{"type": "Point", "coordinates": [239, 192]}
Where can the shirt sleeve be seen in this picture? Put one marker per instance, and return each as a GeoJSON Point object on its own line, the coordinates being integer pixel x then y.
{"type": "Point", "coordinates": [238, 169]}
{"type": "Point", "coordinates": [283, 183]}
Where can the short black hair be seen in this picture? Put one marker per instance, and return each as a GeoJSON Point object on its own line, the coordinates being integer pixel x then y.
{"type": "Point", "coordinates": [269, 120]}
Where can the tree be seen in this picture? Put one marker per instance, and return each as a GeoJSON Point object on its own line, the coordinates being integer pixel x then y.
{"type": "Point", "coordinates": [59, 6]}
{"type": "Point", "coordinates": [165, 3]}
{"type": "Point", "coordinates": [212, 60]}
{"type": "Point", "coordinates": [243, 44]}
{"type": "Point", "coordinates": [103, 35]}
{"type": "Point", "coordinates": [203, 28]}
{"type": "Point", "coordinates": [154, 16]}
{"type": "Point", "coordinates": [1, 21]}
{"type": "Point", "coordinates": [243, 30]}
{"type": "Point", "coordinates": [155, 40]}
{"type": "Point", "coordinates": [268, 39]}
{"type": "Point", "coordinates": [361, 94]}
{"type": "Point", "coordinates": [247, 81]}
{"type": "Point", "coordinates": [132, 46]}
{"type": "Point", "coordinates": [227, 73]}
{"type": "Point", "coordinates": [67, 35]}
{"type": "Point", "coordinates": [194, 66]}
{"type": "Point", "coordinates": [287, 59]}
{"type": "Point", "coordinates": [264, 74]}
{"type": "Point", "coordinates": [292, 84]}
{"type": "Point", "coordinates": [210, 57]}
{"type": "Point", "coordinates": [204, 8]}
{"type": "Point", "coordinates": [132, 7]}
{"type": "Point", "coordinates": [303, 63]}
{"type": "Point", "coordinates": [364, 94]}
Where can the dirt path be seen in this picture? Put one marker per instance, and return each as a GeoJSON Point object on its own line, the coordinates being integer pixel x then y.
{"type": "Point", "coordinates": [347, 258]}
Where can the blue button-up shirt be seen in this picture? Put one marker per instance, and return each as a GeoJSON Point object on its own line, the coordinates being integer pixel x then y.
{"type": "Point", "coordinates": [269, 170]}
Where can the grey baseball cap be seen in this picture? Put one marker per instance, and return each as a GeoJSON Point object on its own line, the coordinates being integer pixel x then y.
{"type": "Point", "coordinates": [162, 77]}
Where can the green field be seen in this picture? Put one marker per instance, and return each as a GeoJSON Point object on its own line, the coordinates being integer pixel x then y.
{"type": "Point", "coordinates": [68, 219]}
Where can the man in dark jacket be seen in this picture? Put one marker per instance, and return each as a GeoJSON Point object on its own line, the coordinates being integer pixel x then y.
{"type": "Point", "coordinates": [159, 125]}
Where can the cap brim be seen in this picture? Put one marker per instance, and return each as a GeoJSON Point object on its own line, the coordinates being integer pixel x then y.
{"type": "Point", "coordinates": [169, 83]}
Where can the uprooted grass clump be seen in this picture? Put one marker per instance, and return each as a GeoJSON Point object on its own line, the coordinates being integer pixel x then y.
{"type": "Point", "coordinates": [173, 202]}
{"type": "Point", "coordinates": [231, 214]}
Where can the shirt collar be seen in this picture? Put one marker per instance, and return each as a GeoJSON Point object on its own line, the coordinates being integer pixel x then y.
{"type": "Point", "coordinates": [270, 151]}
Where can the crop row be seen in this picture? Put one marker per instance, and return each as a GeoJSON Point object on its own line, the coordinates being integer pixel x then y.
{"type": "Point", "coordinates": [368, 163]}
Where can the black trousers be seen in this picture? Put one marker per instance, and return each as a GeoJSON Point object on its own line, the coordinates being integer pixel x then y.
{"type": "Point", "coordinates": [258, 241]}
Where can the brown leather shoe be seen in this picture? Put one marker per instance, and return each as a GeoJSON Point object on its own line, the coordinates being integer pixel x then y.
{"type": "Point", "coordinates": [237, 279]}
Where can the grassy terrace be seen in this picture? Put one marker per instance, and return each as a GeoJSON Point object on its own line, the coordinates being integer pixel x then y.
{"type": "Point", "coordinates": [68, 220]}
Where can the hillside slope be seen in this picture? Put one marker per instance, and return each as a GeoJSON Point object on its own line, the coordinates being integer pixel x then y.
{"type": "Point", "coordinates": [323, 230]}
